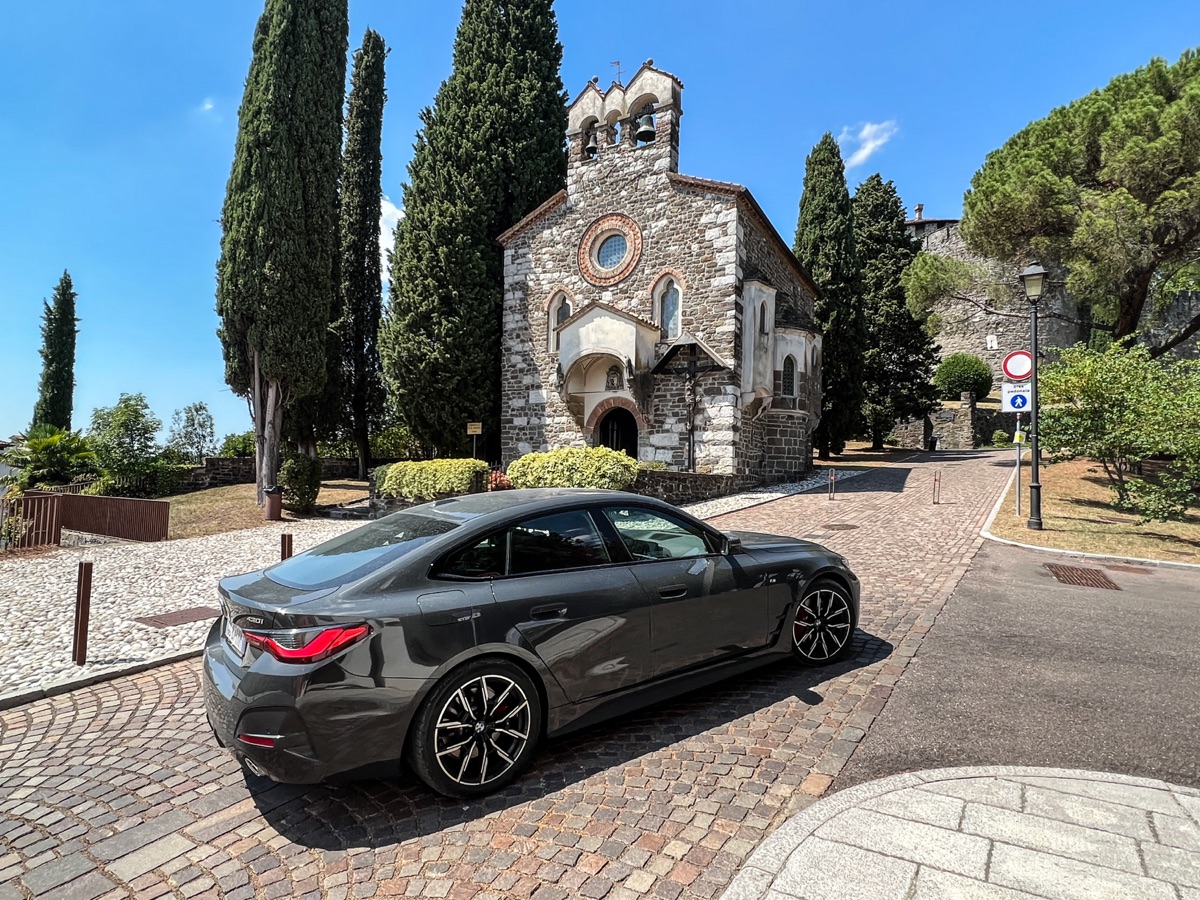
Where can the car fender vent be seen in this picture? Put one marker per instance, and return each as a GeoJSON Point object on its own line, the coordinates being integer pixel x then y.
{"type": "Point", "coordinates": [1082, 577]}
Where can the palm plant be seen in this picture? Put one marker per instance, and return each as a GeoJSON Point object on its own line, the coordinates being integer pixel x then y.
{"type": "Point", "coordinates": [48, 455]}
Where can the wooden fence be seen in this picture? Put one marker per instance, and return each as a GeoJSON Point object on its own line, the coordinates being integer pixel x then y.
{"type": "Point", "coordinates": [119, 517]}
{"type": "Point", "coordinates": [30, 521]}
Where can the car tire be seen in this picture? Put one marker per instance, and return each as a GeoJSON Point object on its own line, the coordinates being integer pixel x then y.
{"type": "Point", "coordinates": [477, 730]}
{"type": "Point", "coordinates": [822, 627]}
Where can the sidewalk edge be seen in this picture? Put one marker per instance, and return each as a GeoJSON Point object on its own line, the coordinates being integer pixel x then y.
{"type": "Point", "coordinates": [10, 701]}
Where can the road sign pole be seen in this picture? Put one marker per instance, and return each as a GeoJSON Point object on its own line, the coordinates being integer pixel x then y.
{"type": "Point", "coordinates": [1020, 445]}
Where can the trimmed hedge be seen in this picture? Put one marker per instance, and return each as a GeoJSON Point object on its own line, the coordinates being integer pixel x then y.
{"type": "Point", "coordinates": [433, 478]}
{"type": "Point", "coordinates": [589, 467]}
{"type": "Point", "coordinates": [962, 372]}
{"type": "Point", "coordinates": [300, 478]}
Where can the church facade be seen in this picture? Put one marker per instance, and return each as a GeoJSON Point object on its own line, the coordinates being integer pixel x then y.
{"type": "Point", "coordinates": [654, 312]}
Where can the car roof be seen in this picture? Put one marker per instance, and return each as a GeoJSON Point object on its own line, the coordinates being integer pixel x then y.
{"type": "Point", "coordinates": [470, 506]}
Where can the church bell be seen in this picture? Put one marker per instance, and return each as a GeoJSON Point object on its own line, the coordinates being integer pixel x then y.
{"type": "Point", "coordinates": [645, 128]}
{"type": "Point", "coordinates": [592, 147]}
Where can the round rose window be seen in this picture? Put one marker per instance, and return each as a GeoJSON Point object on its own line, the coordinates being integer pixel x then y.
{"type": "Point", "coordinates": [612, 250]}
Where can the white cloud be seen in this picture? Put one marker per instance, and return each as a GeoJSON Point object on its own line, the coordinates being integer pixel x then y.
{"type": "Point", "coordinates": [207, 105]}
{"type": "Point", "coordinates": [389, 216]}
{"type": "Point", "coordinates": [864, 140]}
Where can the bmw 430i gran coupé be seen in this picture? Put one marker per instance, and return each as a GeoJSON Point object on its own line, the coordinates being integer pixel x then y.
{"type": "Point", "coordinates": [458, 634]}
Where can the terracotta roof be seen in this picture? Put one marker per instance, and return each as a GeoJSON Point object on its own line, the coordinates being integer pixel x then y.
{"type": "Point", "coordinates": [744, 196]}
{"type": "Point", "coordinates": [927, 219]}
{"type": "Point", "coordinates": [540, 213]}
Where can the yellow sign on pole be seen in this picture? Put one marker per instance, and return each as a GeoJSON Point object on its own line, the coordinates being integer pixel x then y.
{"type": "Point", "coordinates": [474, 428]}
{"type": "Point", "coordinates": [1019, 437]}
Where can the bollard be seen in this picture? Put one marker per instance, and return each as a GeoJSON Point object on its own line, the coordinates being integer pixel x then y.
{"type": "Point", "coordinates": [285, 546]}
{"type": "Point", "coordinates": [832, 484]}
{"type": "Point", "coordinates": [937, 486]}
{"type": "Point", "coordinates": [83, 604]}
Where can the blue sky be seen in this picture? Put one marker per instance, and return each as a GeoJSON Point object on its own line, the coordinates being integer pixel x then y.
{"type": "Point", "coordinates": [117, 124]}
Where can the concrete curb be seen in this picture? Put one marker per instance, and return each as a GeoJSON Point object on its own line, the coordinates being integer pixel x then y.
{"type": "Point", "coordinates": [9, 701]}
{"type": "Point", "coordinates": [986, 533]}
{"type": "Point", "coordinates": [768, 860]}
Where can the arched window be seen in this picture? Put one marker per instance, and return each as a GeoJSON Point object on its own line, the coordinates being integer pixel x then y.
{"type": "Point", "coordinates": [816, 363]}
{"type": "Point", "coordinates": [669, 309]}
{"type": "Point", "coordinates": [560, 311]}
{"type": "Point", "coordinates": [789, 376]}
{"type": "Point", "coordinates": [764, 327]}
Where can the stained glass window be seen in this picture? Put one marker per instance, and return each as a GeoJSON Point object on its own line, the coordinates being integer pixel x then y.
{"type": "Point", "coordinates": [670, 310]}
{"type": "Point", "coordinates": [789, 377]}
{"type": "Point", "coordinates": [612, 251]}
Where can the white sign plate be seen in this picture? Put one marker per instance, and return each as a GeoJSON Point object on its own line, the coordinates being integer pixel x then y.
{"type": "Point", "coordinates": [1018, 365]}
{"type": "Point", "coordinates": [1016, 397]}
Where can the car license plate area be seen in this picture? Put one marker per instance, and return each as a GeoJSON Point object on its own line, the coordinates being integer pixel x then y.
{"type": "Point", "coordinates": [235, 637]}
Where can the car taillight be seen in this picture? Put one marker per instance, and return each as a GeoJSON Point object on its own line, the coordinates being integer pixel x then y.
{"type": "Point", "coordinates": [307, 645]}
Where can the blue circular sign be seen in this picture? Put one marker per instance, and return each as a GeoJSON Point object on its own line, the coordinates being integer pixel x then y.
{"type": "Point", "coordinates": [1018, 401]}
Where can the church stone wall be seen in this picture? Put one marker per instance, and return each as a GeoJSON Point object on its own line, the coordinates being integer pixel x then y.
{"type": "Point", "coordinates": [690, 233]}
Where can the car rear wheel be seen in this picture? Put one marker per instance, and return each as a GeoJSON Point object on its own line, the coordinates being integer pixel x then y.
{"type": "Point", "coordinates": [477, 730]}
{"type": "Point", "coordinates": [823, 625]}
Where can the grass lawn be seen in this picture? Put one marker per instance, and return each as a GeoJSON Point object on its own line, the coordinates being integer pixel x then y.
{"type": "Point", "coordinates": [1077, 514]}
{"type": "Point", "coordinates": [222, 509]}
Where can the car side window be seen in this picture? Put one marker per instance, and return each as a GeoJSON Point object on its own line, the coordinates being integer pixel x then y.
{"type": "Point", "coordinates": [650, 534]}
{"type": "Point", "coordinates": [566, 540]}
{"type": "Point", "coordinates": [483, 559]}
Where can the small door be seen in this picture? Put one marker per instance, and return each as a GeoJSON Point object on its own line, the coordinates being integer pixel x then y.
{"type": "Point", "coordinates": [583, 613]}
{"type": "Point", "coordinates": [618, 431]}
{"type": "Point", "coordinates": [702, 609]}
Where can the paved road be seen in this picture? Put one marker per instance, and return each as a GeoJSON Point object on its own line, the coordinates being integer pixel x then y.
{"type": "Point", "coordinates": [1023, 670]}
{"type": "Point", "coordinates": [118, 790]}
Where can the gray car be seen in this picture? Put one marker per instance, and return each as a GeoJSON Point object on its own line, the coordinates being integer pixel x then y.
{"type": "Point", "coordinates": [459, 634]}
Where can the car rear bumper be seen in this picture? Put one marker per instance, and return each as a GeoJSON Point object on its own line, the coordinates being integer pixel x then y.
{"type": "Point", "coordinates": [320, 720]}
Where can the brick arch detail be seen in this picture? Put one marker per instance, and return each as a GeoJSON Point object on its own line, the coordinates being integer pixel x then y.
{"type": "Point", "coordinates": [666, 273]}
{"type": "Point", "coordinates": [562, 289]}
{"type": "Point", "coordinates": [610, 403]}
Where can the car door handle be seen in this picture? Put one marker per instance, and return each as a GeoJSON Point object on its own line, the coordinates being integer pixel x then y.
{"type": "Point", "coordinates": [548, 612]}
{"type": "Point", "coordinates": [673, 592]}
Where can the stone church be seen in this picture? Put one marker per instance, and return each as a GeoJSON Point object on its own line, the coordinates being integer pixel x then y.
{"type": "Point", "coordinates": [654, 312]}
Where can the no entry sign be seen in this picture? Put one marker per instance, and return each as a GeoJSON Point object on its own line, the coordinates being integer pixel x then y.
{"type": "Point", "coordinates": [1018, 365]}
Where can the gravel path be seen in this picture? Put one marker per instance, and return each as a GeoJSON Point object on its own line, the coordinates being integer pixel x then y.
{"type": "Point", "coordinates": [37, 599]}
{"type": "Point", "coordinates": [37, 593]}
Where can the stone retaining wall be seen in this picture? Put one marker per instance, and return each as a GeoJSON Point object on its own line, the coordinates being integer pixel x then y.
{"type": "Point", "coordinates": [689, 487]}
{"type": "Point", "coordinates": [219, 471]}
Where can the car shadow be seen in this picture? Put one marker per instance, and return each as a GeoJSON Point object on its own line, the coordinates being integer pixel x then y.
{"type": "Point", "coordinates": [376, 812]}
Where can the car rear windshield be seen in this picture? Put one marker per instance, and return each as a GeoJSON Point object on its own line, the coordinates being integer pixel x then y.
{"type": "Point", "coordinates": [356, 553]}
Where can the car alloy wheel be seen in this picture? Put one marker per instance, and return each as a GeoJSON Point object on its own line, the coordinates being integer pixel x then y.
{"type": "Point", "coordinates": [823, 625]}
{"type": "Point", "coordinates": [478, 729]}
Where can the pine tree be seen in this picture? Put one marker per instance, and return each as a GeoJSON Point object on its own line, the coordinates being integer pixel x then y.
{"type": "Point", "coordinates": [900, 357]}
{"type": "Point", "coordinates": [361, 288]}
{"type": "Point", "coordinates": [490, 151]}
{"type": "Point", "coordinates": [56, 390]}
{"type": "Point", "coordinates": [277, 275]}
{"type": "Point", "coordinates": [825, 246]}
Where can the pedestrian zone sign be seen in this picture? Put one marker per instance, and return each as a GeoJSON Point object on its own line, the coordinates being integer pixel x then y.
{"type": "Point", "coordinates": [1016, 397]}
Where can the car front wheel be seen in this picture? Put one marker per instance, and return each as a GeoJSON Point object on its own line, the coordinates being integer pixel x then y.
{"type": "Point", "coordinates": [477, 730]}
{"type": "Point", "coordinates": [823, 625]}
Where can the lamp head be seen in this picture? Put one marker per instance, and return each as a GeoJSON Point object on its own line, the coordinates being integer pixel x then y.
{"type": "Point", "coordinates": [1033, 280]}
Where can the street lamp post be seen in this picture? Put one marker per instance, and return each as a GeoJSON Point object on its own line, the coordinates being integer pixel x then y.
{"type": "Point", "coordinates": [1033, 280]}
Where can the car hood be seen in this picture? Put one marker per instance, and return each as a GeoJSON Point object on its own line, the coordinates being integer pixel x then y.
{"type": "Point", "coordinates": [756, 540]}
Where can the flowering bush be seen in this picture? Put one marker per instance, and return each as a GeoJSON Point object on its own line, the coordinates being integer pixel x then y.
{"type": "Point", "coordinates": [498, 481]}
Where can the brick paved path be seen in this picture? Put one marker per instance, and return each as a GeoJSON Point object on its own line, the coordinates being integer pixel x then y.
{"type": "Point", "coordinates": [118, 789]}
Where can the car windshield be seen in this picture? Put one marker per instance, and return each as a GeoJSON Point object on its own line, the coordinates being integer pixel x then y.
{"type": "Point", "coordinates": [356, 553]}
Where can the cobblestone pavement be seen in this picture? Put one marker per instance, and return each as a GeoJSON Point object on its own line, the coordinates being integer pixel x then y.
{"type": "Point", "coordinates": [118, 789]}
{"type": "Point", "coordinates": [986, 832]}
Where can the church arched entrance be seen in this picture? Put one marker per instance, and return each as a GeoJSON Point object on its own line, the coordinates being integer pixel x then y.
{"type": "Point", "coordinates": [618, 430]}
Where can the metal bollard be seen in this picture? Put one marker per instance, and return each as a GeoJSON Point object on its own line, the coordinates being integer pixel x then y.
{"type": "Point", "coordinates": [285, 546]}
{"type": "Point", "coordinates": [83, 605]}
{"type": "Point", "coordinates": [832, 484]}
{"type": "Point", "coordinates": [937, 486]}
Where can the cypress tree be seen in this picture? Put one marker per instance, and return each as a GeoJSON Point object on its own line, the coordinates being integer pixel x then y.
{"type": "Point", "coordinates": [900, 357]}
{"type": "Point", "coordinates": [490, 151]}
{"type": "Point", "coordinates": [361, 287]}
{"type": "Point", "coordinates": [825, 246]}
{"type": "Point", "coordinates": [56, 389]}
{"type": "Point", "coordinates": [277, 274]}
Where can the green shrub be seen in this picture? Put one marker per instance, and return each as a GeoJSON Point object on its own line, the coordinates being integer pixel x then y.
{"type": "Point", "coordinates": [168, 476]}
{"type": "Point", "coordinates": [432, 478]}
{"type": "Point", "coordinates": [590, 467]}
{"type": "Point", "coordinates": [300, 478]}
{"type": "Point", "coordinates": [104, 486]}
{"type": "Point", "coordinates": [377, 476]}
{"type": "Point", "coordinates": [963, 372]}
{"type": "Point", "coordinates": [653, 465]}
{"type": "Point", "coordinates": [1001, 438]}
{"type": "Point", "coordinates": [237, 445]}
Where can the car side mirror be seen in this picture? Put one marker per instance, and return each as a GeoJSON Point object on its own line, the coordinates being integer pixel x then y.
{"type": "Point", "coordinates": [729, 545]}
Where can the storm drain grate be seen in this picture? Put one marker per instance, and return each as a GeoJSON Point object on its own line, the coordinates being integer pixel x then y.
{"type": "Point", "coordinates": [1082, 577]}
{"type": "Point", "coordinates": [182, 617]}
{"type": "Point", "coordinates": [840, 526]}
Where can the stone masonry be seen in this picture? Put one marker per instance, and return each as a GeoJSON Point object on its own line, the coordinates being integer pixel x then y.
{"type": "Point", "coordinates": [712, 241]}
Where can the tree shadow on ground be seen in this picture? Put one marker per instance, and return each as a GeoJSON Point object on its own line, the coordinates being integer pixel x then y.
{"type": "Point", "coordinates": [386, 811]}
